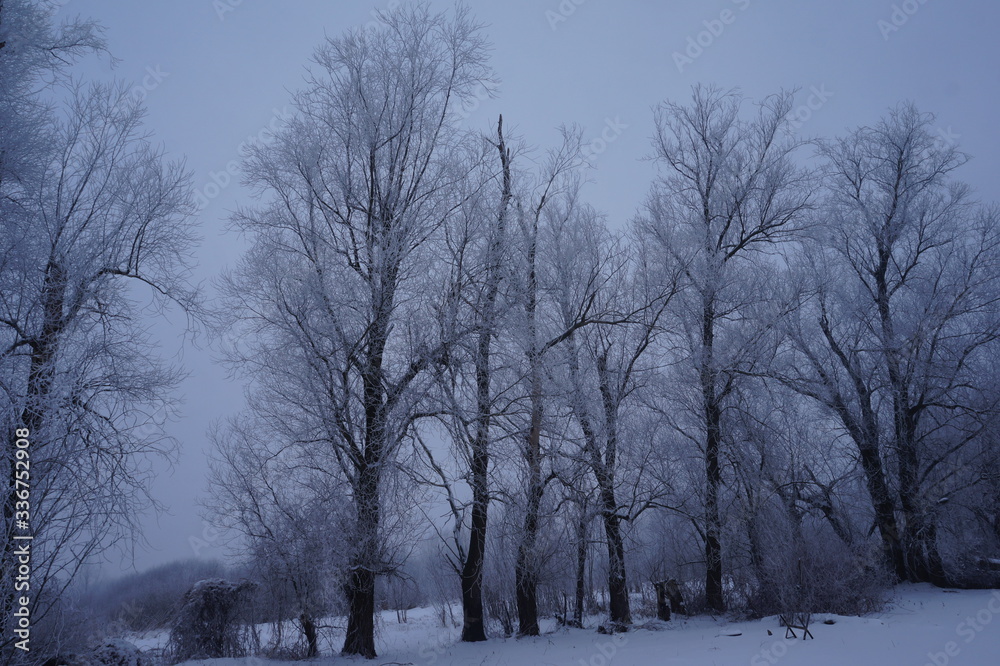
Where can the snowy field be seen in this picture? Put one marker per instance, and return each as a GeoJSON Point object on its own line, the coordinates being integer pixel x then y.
{"type": "Point", "coordinates": [923, 625]}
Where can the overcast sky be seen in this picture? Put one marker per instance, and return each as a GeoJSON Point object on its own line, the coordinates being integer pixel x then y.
{"type": "Point", "coordinates": [216, 72]}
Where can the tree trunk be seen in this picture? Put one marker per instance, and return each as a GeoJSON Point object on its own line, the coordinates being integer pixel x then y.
{"type": "Point", "coordinates": [581, 566]}
{"type": "Point", "coordinates": [621, 614]}
{"type": "Point", "coordinates": [525, 573]}
{"type": "Point", "coordinates": [312, 638]}
{"type": "Point", "coordinates": [525, 568]}
{"type": "Point", "coordinates": [360, 590]}
{"type": "Point", "coordinates": [662, 605]}
{"type": "Point", "coordinates": [864, 431]}
{"type": "Point", "coordinates": [40, 378]}
{"type": "Point", "coordinates": [713, 475]}
{"type": "Point", "coordinates": [473, 620]}
{"type": "Point", "coordinates": [360, 585]}
{"type": "Point", "coordinates": [920, 553]}
{"type": "Point", "coordinates": [885, 512]}
{"type": "Point", "coordinates": [471, 575]}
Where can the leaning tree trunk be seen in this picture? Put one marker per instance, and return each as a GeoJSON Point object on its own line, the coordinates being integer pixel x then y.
{"type": "Point", "coordinates": [864, 431]}
{"type": "Point", "coordinates": [40, 379]}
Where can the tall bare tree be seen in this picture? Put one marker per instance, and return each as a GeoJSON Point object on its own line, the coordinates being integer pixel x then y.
{"type": "Point", "coordinates": [335, 290]}
{"type": "Point", "coordinates": [730, 194]}
{"type": "Point", "coordinates": [473, 390]}
{"type": "Point", "coordinates": [99, 230]}
{"type": "Point", "coordinates": [551, 201]}
{"type": "Point", "coordinates": [605, 363]}
{"type": "Point", "coordinates": [899, 319]}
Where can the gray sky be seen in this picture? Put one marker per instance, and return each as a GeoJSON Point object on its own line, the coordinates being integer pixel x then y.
{"type": "Point", "coordinates": [216, 72]}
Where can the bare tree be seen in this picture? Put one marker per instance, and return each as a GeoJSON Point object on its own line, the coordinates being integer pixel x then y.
{"type": "Point", "coordinates": [472, 389]}
{"type": "Point", "coordinates": [97, 232]}
{"type": "Point", "coordinates": [551, 201]}
{"type": "Point", "coordinates": [359, 186]}
{"type": "Point", "coordinates": [729, 195]}
{"type": "Point", "coordinates": [281, 502]}
{"type": "Point", "coordinates": [606, 363]}
{"type": "Point", "coordinates": [902, 309]}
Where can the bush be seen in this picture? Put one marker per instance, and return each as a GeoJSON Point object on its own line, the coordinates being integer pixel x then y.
{"type": "Point", "coordinates": [820, 580]}
{"type": "Point", "coordinates": [211, 623]}
{"type": "Point", "coordinates": [117, 653]}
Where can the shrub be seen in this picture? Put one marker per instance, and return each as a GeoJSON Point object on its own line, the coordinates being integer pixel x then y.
{"type": "Point", "coordinates": [211, 623]}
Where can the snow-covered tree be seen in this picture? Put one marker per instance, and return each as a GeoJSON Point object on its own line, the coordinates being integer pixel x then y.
{"type": "Point", "coordinates": [898, 323]}
{"type": "Point", "coordinates": [331, 302]}
{"type": "Point", "coordinates": [472, 389]}
{"type": "Point", "coordinates": [95, 226]}
{"type": "Point", "coordinates": [283, 505]}
{"type": "Point", "coordinates": [604, 364]}
{"type": "Point", "coordinates": [730, 194]}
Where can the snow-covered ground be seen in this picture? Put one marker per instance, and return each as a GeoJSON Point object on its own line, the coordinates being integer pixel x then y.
{"type": "Point", "coordinates": [923, 625]}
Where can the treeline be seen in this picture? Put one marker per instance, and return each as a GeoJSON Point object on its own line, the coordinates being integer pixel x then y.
{"type": "Point", "coordinates": [774, 383]}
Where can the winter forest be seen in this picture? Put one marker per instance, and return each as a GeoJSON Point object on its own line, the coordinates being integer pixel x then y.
{"type": "Point", "coordinates": [475, 405]}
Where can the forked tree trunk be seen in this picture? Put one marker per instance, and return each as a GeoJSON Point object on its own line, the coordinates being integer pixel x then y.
{"type": "Point", "coordinates": [920, 553]}
{"type": "Point", "coordinates": [619, 608]}
{"type": "Point", "coordinates": [525, 567]}
{"type": "Point", "coordinates": [864, 431]}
